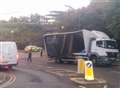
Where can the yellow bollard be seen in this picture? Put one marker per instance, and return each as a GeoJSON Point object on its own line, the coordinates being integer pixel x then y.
{"type": "Point", "coordinates": [81, 66]}
{"type": "Point", "coordinates": [89, 75]}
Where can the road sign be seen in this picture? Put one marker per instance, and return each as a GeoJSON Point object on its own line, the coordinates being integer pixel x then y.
{"type": "Point", "coordinates": [89, 75]}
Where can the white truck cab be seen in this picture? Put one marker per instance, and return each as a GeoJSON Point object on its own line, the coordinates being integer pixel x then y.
{"type": "Point", "coordinates": [102, 48]}
{"type": "Point", "coordinates": [105, 50]}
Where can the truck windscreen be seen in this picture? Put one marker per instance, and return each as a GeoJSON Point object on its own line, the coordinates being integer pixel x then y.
{"type": "Point", "coordinates": [110, 44]}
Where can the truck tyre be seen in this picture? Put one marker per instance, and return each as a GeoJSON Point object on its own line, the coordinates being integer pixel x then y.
{"type": "Point", "coordinates": [93, 59]}
{"type": "Point", "coordinates": [59, 60]}
{"type": "Point", "coordinates": [56, 60]}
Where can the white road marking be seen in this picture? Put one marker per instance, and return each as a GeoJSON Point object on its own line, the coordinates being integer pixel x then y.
{"type": "Point", "coordinates": [118, 72]}
{"type": "Point", "coordinates": [82, 87]}
{"type": "Point", "coordinates": [105, 86]}
{"type": "Point", "coordinates": [9, 82]}
{"type": "Point", "coordinates": [50, 67]}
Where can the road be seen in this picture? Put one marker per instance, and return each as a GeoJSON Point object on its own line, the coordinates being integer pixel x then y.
{"type": "Point", "coordinates": [110, 74]}
{"type": "Point", "coordinates": [42, 73]}
{"type": "Point", "coordinates": [28, 76]}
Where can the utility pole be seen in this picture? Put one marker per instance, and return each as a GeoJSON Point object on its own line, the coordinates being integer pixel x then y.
{"type": "Point", "coordinates": [12, 34]}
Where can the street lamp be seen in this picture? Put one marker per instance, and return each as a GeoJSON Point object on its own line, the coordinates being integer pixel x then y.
{"type": "Point", "coordinates": [62, 27]}
{"type": "Point", "coordinates": [12, 32]}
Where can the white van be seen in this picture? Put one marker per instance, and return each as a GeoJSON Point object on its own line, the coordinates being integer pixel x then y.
{"type": "Point", "coordinates": [8, 54]}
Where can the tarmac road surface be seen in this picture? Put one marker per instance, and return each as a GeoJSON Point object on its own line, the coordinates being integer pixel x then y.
{"type": "Point", "coordinates": [31, 75]}
{"type": "Point", "coordinates": [26, 78]}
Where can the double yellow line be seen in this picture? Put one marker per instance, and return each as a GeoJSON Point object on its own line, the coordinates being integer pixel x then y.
{"type": "Point", "coordinates": [11, 79]}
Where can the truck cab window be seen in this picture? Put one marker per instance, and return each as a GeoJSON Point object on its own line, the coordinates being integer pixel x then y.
{"type": "Point", "coordinates": [99, 43]}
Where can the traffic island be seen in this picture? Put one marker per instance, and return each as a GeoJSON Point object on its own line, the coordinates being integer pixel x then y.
{"type": "Point", "coordinates": [82, 81]}
{"type": "Point", "coordinates": [85, 75]}
{"type": "Point", "coordinates": [79, 79]}
{"type": "Point", "coordinates": [97, 83]}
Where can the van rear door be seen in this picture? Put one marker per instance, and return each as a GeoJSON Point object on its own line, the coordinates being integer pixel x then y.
{"type": "Point", "coordinates": [8, 52]}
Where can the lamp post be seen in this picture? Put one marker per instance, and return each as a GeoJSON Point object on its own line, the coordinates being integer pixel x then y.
{"type": "Point", "coordinates": [62, 27]}
{"type": "Point", "coordinates": [12, 33]}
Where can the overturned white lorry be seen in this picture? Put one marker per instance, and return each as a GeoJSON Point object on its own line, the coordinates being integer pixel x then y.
{"type": "Point", "coordinates": [96, 45]}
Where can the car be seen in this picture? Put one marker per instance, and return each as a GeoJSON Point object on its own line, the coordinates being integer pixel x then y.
{"type": "Point", "coordinates": [33, 48]}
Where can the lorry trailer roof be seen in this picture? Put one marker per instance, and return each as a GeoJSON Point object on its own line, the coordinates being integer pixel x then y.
{"type": "Point", "coordinates": [64, 33]}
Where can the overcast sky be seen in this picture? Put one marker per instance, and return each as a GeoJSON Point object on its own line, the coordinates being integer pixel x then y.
{"type": "Point", "coordinates": [18, 8]}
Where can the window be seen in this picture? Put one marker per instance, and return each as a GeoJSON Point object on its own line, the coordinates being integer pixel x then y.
{"type": "Point", "coordinates": [99, 43]}
{"type": "Point", "coordinates": [110, 44]}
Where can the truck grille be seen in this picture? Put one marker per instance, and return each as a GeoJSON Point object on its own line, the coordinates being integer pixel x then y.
{"type": "Point", "coordinates": [112, 54]}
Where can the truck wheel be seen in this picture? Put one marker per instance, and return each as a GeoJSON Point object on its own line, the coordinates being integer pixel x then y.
{"type": "Point", "coordinates": [60, 61]}
{"type": "Point", "coordinates": [93, 59]}
{"type": "Point", "coordinates": [57, 60]}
